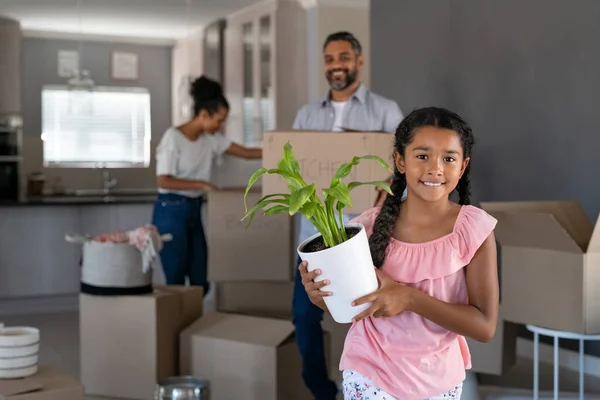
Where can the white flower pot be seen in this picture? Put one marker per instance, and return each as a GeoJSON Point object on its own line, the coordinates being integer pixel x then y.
{"type": "Point", "coordinates": [349, 269]}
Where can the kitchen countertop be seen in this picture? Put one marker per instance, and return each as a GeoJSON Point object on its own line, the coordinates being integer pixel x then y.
{"type": "Point", "coordinates": [81, 200]}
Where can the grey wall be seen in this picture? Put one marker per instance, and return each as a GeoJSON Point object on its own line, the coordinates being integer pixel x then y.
{"type": "Point", "coordinates": [40, 67]}
{"type": "Point", "coordinates": [524, 74]}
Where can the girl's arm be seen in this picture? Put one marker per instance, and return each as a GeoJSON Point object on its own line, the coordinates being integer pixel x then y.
{"type": "Point", "coordinates": [478, 319]}
{"type": "Point", "coordinates": [244, 152]}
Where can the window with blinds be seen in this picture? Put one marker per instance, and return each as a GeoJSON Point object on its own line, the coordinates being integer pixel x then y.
{"type": "Point", "coordinates": [107, 127]}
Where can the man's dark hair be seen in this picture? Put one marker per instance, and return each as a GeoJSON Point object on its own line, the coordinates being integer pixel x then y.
{"type": "Point", "coordinates": [346, 37]}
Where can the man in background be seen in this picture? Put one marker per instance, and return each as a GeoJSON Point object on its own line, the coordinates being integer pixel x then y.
{"type": "Point", "coordinates": [348, 105]}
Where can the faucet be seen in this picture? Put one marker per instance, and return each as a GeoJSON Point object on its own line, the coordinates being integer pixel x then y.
{"type": "Point", "coordinates": [108, 183]}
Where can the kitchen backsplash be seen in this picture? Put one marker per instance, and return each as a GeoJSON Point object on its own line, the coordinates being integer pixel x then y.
{"type": "Point", "coordinates": [85, 178]}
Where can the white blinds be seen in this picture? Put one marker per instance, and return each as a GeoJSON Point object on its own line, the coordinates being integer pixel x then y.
{"type": "Point", "coordinates": [113, 132]}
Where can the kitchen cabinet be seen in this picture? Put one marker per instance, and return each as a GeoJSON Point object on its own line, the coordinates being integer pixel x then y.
{"type": "Point", "coordinates": [35, 260]}
{"type": "Point", "coordinates": [266, 79]}
{"type": "Point", "coordinates": [10, 67]}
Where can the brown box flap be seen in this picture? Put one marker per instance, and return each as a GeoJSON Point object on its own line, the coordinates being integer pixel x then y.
{"type": "Point", "coordinates": [242, 328]}
{"type": "Point", "coordinates": [12, 387]}
{"type": "Point", "coordinates": [557, 225]}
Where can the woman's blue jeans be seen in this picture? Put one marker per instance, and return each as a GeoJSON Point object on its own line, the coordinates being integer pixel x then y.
{"type": "Point", "coordinates": [186, 256]}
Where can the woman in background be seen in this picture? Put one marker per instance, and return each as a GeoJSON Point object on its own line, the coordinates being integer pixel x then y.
{"type": "Point", "coordinates": [184, 159]}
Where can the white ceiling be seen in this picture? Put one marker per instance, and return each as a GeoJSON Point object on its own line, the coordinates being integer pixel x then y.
{"type": "Point", "coordinates": [156, 19]}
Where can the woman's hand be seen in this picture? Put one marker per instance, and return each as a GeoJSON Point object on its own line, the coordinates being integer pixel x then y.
{"type": "Point", "coordinates": [390, 299]}
{"type": "Point", "coordinates": [312, 288]}
{"type": "Point", "coordinates": [209, 187]}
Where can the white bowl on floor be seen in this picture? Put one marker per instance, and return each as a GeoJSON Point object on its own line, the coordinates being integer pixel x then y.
{"type": "Point", "coordinates": [18, 336]}
{"type": "Point", "coordinates": [17, 373]}
{"type": "Point", "coordinates": [20, 351]}
{"type": "Point", "coordinates": [18, 362]}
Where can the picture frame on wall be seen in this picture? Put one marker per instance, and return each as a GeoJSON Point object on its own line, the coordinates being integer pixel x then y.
{"type": "Point", "coordinates": [124, 66]}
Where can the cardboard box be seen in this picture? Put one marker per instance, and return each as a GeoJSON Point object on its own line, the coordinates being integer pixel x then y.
{"type": "Point", "coordinates": [274, 300]}
{"type": "Point", "coordinates": [261, 252]}
{"type": "Point", "coordinates": [261, 299]}
{"type": "Point", "coordinates": [321, 153]}
{"type": "Point", "coordinates": [550, 264]}
{"type": "Point", "coordinates": [130, 342]}
{"type": "Point", "coordinates": [46, 384]}
{"type": "Point", "coordinates": [498, 355]}
{"type": "Point", "coordinates": [191, 301]}
{"type": "Point", "coordinates": [244, 357]}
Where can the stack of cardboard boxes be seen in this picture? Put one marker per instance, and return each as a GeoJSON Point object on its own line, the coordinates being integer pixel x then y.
{"type": "Point", "coordinates": [129, 343]}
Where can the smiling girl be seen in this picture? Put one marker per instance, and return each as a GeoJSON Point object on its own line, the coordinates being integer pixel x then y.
{"type": "Point", "coordinates": [436, 263]}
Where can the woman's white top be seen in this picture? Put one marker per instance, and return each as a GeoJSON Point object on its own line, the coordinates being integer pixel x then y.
{"type": "Point", "coordinates": [181, 158]}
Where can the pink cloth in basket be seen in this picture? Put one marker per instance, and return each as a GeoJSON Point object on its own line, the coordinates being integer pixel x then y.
{"type": "Point", "coordinates": [146, 238]}
{"type": "Point", "coordinates": [135, 238]}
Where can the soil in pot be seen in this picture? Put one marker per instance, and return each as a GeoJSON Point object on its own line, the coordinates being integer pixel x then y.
{"type": "Point", "coordinates": [317, 244]}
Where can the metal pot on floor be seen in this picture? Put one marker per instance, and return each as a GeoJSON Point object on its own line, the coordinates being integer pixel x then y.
{"type": "Point", "coordinates": [183, 388]}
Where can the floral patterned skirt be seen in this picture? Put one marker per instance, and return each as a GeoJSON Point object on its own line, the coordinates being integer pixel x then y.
{"type": "Point", "coordinates": [358, 387]}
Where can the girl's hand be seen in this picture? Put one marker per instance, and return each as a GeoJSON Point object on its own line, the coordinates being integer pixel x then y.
{"type": "Point", "coordinates": [312, 288]}
{"type": "Point", "coordinates": [390, 299]}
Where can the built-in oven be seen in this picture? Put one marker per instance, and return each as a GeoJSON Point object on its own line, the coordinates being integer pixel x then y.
{"type": "Point", "coordinates": [9, 181]}
{"type": "Point", "coordinates": [10, 157]}
{"type": "Point", "coordinates": [9, 141]}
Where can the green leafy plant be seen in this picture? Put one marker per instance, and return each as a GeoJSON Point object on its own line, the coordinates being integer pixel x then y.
{"type": "Point", "coordinates": [327, 214]}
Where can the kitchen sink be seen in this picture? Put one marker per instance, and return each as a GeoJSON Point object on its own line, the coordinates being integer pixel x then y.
{"type": "Point", "coordinates": [117, 192]}
{"type": "Point", "coordinates": [83, 199]}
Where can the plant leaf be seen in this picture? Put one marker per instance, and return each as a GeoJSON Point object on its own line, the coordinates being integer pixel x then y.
{"type": "Point", "coordinates": [340, 207]}
{"type": "Point", "coordinates": [255, 176]}
{"type": "Point", "coordinates": [294, 182]}
{"type": "Point", "coordinates": [309, 209]}
{"type": "Point", "coordinates": [340, 193]}
{"type": "Point", "coordinates": [344, 170]}
{"type": "Point", "coordinates": [380, 160]}
{"type": "Point", "coordinates": [300, 197]}
{"type": "Point", "coordinates": [379, 184]}
{"type": "Point", "coordinates": [264, 202]}
{"type": "Point", "coordinates": [276, 209]}
{"type": "Point", "coordinates": [288, 163]}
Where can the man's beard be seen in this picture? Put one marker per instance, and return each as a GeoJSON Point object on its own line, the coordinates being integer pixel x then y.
{"type": "Point", "coordinates": [338, 85]}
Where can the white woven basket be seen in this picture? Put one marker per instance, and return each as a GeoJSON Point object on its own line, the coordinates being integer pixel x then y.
{"type": "Point", "coordinates": [116, 265]}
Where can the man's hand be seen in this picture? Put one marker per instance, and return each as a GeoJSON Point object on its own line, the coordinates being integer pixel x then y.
{"type": "Point", "coordinates": [390, 299]}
